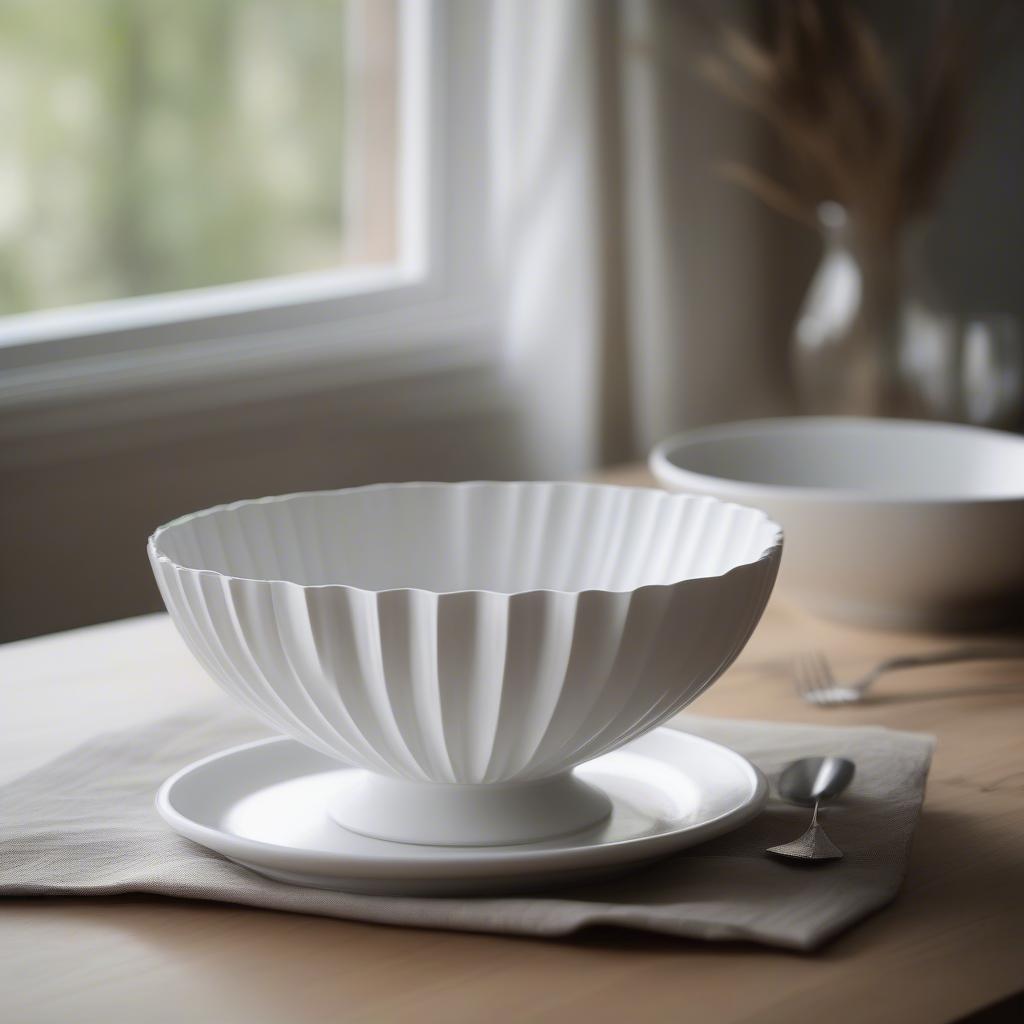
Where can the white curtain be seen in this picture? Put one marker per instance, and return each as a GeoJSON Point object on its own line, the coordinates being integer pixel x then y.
{"type": "Point", "coordinates": [633, 280]}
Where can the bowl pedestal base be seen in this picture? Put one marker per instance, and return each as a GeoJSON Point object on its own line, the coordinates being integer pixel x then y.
{"type": "Point", "coordinates": [497, 814]}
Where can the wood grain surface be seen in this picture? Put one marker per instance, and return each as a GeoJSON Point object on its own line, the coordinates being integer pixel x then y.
{"type": "Point", "coordinates": [952, 943]}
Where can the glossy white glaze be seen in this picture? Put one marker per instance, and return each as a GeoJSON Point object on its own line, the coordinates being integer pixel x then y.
{"type": "Point", "coordinates": [467, 634]}
{"type": "Point", "coordinates": [888, 523]}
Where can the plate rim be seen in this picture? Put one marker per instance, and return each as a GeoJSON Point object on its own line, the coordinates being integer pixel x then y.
{"type": "Point", "coordinates": [443, 860]}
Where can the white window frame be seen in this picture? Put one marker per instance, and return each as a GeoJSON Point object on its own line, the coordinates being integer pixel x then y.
{"type": "Point", "coordinates": [430, 313]}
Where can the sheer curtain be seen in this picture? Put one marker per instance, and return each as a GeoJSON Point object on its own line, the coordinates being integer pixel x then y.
{"type": "Point", "coordinates": [633, 281]}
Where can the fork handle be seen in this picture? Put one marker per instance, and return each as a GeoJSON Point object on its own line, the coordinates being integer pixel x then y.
{"type": "Point", "coordinates": [973, 652]}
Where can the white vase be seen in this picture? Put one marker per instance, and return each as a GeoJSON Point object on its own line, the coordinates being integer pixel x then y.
{"type": "Point", "coordinates": [873, 339]}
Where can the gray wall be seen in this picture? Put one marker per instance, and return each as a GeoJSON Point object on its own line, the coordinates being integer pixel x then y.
{"type": "Point", "coordinates": [975, 240]}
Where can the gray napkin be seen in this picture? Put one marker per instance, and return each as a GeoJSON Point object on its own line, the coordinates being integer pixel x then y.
{"type": "Point", "coordinates": [85, 825]}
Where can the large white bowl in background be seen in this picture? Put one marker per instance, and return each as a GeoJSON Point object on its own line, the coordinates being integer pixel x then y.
{"type": "Point", "coordinates": [467, 644]}
{"type": "Point", "coordinates": [888, 523]}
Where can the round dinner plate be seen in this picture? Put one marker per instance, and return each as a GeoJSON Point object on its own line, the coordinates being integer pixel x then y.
{"type": "Point", "coordinates": [264, 805]}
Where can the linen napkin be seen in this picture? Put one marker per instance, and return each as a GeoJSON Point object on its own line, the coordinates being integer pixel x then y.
{"type": "Point", "coordinates": [85, 825]}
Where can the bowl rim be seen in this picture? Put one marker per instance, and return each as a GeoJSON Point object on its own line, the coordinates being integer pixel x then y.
{"type": "Point", "coordinates": [668, 472]}
{"type": "Point", "coordinates": [771, 550]}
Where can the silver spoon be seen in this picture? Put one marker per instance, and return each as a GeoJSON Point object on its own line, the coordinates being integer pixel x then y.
{"type": "Point", "coordinates": [808, 782]}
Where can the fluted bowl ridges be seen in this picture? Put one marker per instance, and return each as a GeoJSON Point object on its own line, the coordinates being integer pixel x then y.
{"type": "Point", "coordinates": [467, 633]}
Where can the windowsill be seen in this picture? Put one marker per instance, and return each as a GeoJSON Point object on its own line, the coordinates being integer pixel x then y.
{"type": "Point", "coordinates": [104, 318]}
{"type": "Point", "coordinates": [153, 394]}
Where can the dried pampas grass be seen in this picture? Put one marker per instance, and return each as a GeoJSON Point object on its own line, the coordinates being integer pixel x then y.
{"type": "Point", "coordinates": [854, 134]}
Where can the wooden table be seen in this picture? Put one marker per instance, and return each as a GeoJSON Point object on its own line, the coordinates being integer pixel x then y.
{"type": "Point", "coordinates": [951, 944]}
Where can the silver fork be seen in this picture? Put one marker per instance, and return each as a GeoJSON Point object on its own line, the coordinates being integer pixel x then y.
{"type": "Point", "coordinates": [816, 684]}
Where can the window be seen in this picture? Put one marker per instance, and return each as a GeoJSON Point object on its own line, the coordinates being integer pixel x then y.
{"type": "Point", "coordinates": [152, 146]}
{"type": "Point", "coordinates": [373, 223]}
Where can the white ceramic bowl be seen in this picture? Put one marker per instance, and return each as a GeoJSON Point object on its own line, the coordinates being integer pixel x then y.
{"type": "Point", "coordinates": [467, 644]}
{"type": "Point", "coordinates": [889, 523]}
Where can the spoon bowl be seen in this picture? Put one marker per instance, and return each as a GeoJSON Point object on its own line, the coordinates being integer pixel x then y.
{"type": "Point", "coordinates": [813, 779]}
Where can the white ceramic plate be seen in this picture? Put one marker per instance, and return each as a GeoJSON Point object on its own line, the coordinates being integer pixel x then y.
{"type": "Point", "coordinates": [263, 805]}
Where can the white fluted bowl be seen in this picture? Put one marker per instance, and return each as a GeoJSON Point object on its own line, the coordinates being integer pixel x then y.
{"type": "Point", "coordinates": [467, 644]}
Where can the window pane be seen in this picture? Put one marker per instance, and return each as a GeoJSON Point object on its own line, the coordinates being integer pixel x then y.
{"type": "Point", "coordinates": [150, 146]}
